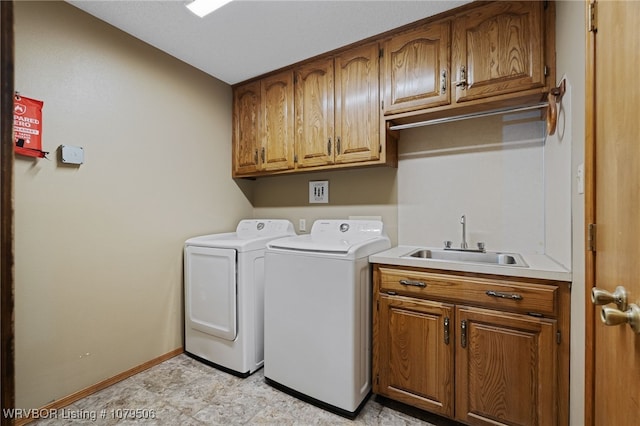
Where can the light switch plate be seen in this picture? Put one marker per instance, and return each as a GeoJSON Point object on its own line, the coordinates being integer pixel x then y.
{"type": "Point", "coordinates": [318, 191]}
{"type": "Point", "coordinates": [72, 154]}
{"type": "Point", "coordinates": [580, 178]}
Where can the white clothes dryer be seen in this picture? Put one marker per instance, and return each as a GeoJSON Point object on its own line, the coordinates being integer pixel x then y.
{"type": "Point", "coordinates": [224, 295]}
{"type": "Point", "coordinates": [318, 296]}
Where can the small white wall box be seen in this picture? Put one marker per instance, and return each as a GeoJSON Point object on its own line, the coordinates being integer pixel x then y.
{"type": "Point", "coordinates": [318, 191]}
{"type": "Point", "coordinates": [72, 154]}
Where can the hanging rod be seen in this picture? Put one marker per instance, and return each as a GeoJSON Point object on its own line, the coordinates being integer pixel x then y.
{"type": "Point", "coordinates": [467, 116]}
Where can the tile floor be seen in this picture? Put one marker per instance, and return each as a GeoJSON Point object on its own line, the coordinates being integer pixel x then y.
{"type": "Point", "coordinates": [183, 391]}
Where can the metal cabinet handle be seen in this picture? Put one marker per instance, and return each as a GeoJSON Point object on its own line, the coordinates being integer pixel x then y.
{"type": "Point", "coordinates": [463, 333]}
{"type": "Point", "coordinates": [413, 283]}
{"type": "Point", "coordinates": [263, 154]}
{"type": "Point", "coordinates": [329, 146]}
{"type": "Point", "coordinates": [255, 157]}
{"type": "Point", "coordinates": [512, 296]}
{"type": "Point", "coordinates": [463, 78]}
{"type": "Point", "coordinates": [443, 82]}
{"type": "Point", "coordinates": [603, 297]}
{"type": "Point", "coordinates": [613, 316]}
{"type": "Point", "coordinates": [338, 147]}
{"type": "Point", "coordinates": [446, 330]}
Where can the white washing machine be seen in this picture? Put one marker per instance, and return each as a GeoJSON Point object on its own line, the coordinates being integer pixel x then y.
{"type": "Point", "coordinates": [318, 295]}
{"type": "Point", "coordinates": [224, 295]}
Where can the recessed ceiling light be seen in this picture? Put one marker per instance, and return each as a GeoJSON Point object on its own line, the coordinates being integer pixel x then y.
{"type": "Point", "coordinates": [205, 7]}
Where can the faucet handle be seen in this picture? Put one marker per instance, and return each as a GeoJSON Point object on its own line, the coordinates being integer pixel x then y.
{"type": "Point", "coordinates": [447, 244]}
{"type": "Point", "coordinates": [481, 246]}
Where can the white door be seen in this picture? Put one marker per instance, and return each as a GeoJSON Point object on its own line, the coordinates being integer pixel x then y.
{"type": "Point", "coordinates": [210, 291]}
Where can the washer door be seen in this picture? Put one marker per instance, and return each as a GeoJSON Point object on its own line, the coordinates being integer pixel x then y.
{"type": "Point", "coordinates": [210, 291]}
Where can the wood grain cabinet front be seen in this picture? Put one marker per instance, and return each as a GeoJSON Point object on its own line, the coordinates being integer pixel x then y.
{"type": "Point", "coordinates": [247, 137]}
{"type": "Point", "coordinates": [417, 68]}
{"type": "Point", "coordinates": [440, 346]}
{"type": "Point", "coordinates": [337, 113]}
{"type": "Point", "coordinates": [263, 126]}
{"type": "Point", "coordinates": [506, 368]}
{"type": "Point", "coordinates": [415, 357]}
{"type": "Point", "coordinates": [498, 49]}
{"type": "Point", "coordinates": [485, 56]}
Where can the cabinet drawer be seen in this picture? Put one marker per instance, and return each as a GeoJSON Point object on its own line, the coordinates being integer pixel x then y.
{"type": "Point", "coordinates": [500, 293]}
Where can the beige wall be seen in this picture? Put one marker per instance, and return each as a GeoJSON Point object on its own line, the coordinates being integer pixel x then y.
{"type": "Point", "coordinates": [490, 169]}
{"type": "Point", "coordinates": [98, 246]}
{"type": "Point", "coordinates": [360, 192]}
{"type": "Point", "coordinates": [571, 60]}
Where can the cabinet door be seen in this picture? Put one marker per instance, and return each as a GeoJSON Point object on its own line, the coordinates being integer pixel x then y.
{"type": "Point", "coordinates": [246, 129]}
{"type": "Point", "coordinates": [417, 69]}
{"type": "Point", "coordinates": [505, 368]}
{"type": "Point", "coordinates": [357, 98]}
{"type": "Point", "coordinates": [314, 114]}
{"type": "Point", "coordinates": [277, 149]}
{"type": "Point", "coordinates": [498, 49]}
{"type": "Point", "coordinates": [414, 353]}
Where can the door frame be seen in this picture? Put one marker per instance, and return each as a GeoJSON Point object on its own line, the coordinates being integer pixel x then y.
{"type": "Point", "coordinates": [7, 376]}
{"type": "Point", "coordinates": [590, 216]}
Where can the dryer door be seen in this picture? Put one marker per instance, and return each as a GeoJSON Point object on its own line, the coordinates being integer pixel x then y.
{"type": "Point", "coordinates": [210, 291]}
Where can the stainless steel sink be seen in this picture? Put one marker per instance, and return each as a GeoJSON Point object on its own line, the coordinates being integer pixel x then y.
{"type": "Point", "coordinates": [492, 258]}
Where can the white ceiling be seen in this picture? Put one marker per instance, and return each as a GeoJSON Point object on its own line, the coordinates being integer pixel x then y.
{"type": "Point", "coordinates": [247, 38]}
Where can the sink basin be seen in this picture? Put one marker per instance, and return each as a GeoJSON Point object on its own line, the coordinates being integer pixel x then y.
{"type": "Point", "coordinates": [491, 258]}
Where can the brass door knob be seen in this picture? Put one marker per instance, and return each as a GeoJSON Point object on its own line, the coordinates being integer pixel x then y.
{"type": "Point", "coordinates": [613, 316]}
{"type": "Point", "coordinates": [603, 297]}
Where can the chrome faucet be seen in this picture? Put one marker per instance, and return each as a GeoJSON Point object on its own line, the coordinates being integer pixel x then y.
{"type": "Point", "coordinates": [463, 245]}
{"type": "Point", "coordinates": [463, 221]}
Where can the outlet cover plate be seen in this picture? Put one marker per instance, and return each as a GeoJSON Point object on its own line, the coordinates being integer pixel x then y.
{"type": "Point", "coordinates": [318, 191]}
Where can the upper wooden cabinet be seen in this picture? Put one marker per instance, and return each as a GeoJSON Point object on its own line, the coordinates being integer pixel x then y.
{"type": "Point", "coordinates": [486, 55]}
{"type": "Point", "coordinates": [321, 114]}
{"type": "Point", "coordinates": [314, 112]}
{"type": "Point", "coordinates": [357, 104]}
{"type": "Point", "coordinates": [263, 125]}
{"type": "Point", "coordinates": [278, 122]}
{"type": "Point", "coordinates": [417, 68]}
{"type": "Point", "coordinates": [337, 110]}
{"type": "Point", "coordinates": [246, 129]}
{"type": "Point", "coordinates": [498, 49]}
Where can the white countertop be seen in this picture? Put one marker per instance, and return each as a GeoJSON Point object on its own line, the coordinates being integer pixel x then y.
{"type": "Point", "coordinates": [540, 265]}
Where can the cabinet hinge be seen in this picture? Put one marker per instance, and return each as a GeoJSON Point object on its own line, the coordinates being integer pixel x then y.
{"type": "Point", "coordinates": [379, 148]}
{"type": "Point", "coordinates": [295, 79]}
{"type": "Point", "coordinates": [593, 23]}
{"type": "Point", "coordinates": [546, 71]}
{"type": "Point", "coordinates": [381, 53]}
{"type": "Point", "coordinates": [295, 158]}
{"type": "Point", "coordinates": [382, 105]}
{"type": "Point", "coordinates": [558, 337]}
{"type": "Point", "coordinates": [591, 237]}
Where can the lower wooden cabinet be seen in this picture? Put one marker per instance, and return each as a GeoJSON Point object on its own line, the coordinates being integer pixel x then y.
{"type": "Point", "coordinates": [416, 353]}
{"type": "Point", "coordinates": [454, 357]}
{"type": "Point", "coordinates": [505, 368]}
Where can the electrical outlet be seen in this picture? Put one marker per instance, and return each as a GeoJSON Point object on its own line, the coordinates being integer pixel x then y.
{"type": "Point", "coordinates": [318, 191]}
